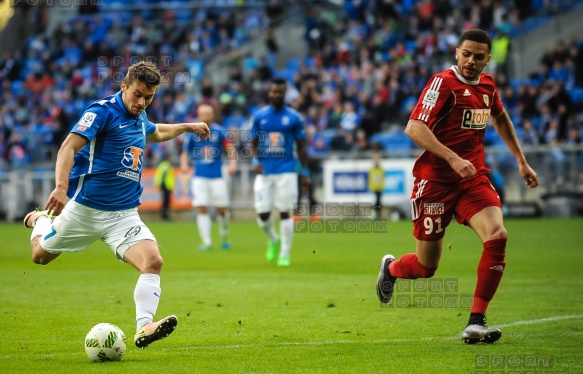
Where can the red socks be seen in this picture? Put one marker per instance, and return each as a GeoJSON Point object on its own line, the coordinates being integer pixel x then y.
{"type": "Point", "coordinates": [409, 267]}
{"type": "Point", "coordinates": [490, 270]}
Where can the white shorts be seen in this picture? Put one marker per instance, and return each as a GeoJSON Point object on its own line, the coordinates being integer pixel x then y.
{"type": "Point", "coordinates": [209, 192]}
{"type": "Point", "coordinates": [78, 226]}
{"type": "Point", "coordinates": [275, 190]}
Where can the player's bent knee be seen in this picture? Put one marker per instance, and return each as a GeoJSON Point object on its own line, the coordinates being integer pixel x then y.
{"type": "Point", "coordinates": [39, 260]}
{"type": "Point", "coordinates": [500, 233]}
{"type": "Point", "coordinates": [42, 257]}
{"type": "Point", "coordinates": [154, 263]}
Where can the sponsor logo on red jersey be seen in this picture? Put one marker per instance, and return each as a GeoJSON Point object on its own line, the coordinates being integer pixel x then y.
{"type": "Point", "coordinates": [475, 119]}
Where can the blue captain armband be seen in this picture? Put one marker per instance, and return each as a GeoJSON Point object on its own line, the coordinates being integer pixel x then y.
{"type": "Point", "coordinates": [306, 172]}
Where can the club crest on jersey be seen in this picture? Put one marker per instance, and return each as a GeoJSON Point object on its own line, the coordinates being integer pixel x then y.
{"type": "Point", "coordinates": [475, 119]}
{"type": "Point", "coordinates": [132, 158]}
{"type": "Point", "coordinates": [433, 209]}
{"type": "Point", "coordinates": [486, 99]}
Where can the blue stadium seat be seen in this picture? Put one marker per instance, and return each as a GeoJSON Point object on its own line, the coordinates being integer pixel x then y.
{"type": "Point", "coordinates": [395, 144]}
{"type": "Point", "coordinates": [577, 95]}
{"type": "Point", "coordinates": [286, 74]}
{"type": "Point", "coordinates": [410, 46]}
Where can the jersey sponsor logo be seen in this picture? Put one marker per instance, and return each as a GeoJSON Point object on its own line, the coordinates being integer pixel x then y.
{"type": "Point", "coordinates": [129, 175]}
{"type": "Point", "coordinates": [486, 99]}
{"type": "Point", "coordinates": [86, 121]}
{"type": "Point", "coordinates": [430, 98]}
{"type": "Point", "coordinates": [132, 158]}
{"type": "Point", "coordinates": [475, 119]}
{"type": "Point", "coordinates": [433, 209]}
{"type": "Point", "coordinates": [274, 144]}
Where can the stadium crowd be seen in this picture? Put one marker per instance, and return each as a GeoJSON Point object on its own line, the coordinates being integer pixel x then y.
{"type": "Point", "coordinates": [362, 74]}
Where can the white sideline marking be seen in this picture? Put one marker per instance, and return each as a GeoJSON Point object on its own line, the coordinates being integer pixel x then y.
{"type": "Point", "coordinates": [541, 320]}
{"type": "Point", "coordinates": [379, 341]}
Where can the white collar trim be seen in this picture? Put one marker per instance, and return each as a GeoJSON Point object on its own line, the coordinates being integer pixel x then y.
{"type": "Point", "coordinates": [458, 75]}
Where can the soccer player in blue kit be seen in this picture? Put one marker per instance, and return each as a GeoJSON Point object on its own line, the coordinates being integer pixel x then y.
{"type": "Point", "coordinates": [98, 189]}
{"type": "Point", "coordinates": [208, 186]}
{"type": "Point", "coordinates": [274, 129]}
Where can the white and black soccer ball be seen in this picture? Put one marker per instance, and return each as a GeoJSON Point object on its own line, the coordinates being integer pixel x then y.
{"type": "Point", "coordinates": [105, 342]}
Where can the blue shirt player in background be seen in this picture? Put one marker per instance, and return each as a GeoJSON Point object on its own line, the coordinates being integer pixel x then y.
{"type": "Point", "coordinates": [97, 176]}
{"type": "Point", "coordinates": [208, 186]}
{"type": "Point", "coordinates": [275, 129]}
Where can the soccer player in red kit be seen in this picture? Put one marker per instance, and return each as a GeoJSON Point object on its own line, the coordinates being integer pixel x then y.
{"type": "Point", "coordinates": [449, 122]}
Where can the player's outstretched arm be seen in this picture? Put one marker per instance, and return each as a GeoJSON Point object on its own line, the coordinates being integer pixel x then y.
{"type": "Point", "coordinates": [423, 137]}
{"type": "Point", "coordinates": [504, 127]}
{"type": "Point", "coordinates": [166, 131]}
{"type": "Point", "coordinates": [58, 198]}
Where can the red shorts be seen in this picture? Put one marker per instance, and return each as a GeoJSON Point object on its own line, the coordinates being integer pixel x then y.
{"type": "Point", "coordinates": [433, 204]}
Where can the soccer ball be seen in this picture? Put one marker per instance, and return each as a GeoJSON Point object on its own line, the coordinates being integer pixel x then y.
{"type": "Point", "coordinates": [105, 342]}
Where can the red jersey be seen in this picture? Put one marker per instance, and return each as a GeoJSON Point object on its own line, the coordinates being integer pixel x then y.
{"type": "Point", "coordinates": [456, 111]}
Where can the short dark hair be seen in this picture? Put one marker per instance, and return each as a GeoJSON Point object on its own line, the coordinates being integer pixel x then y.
{"type": "Point", "coordinates": [145, 72]}
{"type": "Point", "coordinates": [278, 81]}
{"type": "Point", "coordinates": [478, 36]}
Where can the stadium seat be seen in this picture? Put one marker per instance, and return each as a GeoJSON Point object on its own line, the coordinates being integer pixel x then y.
{"type": "Point", "coordinates": [577, 95]}
{"type": "Point", "coordinates": [395, 144]}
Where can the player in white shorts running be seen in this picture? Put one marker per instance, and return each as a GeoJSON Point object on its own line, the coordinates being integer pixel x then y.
{"type": "Point", "coordinates": [98, 189]}
{"type": "Point", "coordinates": [274, 130]}
{"type": "Point", "coordinates": [208, 186]}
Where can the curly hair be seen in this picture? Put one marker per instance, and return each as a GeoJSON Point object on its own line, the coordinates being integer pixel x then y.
{"type": "Point", "coordinates": [478, 36]}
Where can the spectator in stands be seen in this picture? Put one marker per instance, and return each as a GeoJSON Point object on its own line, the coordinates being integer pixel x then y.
{"type": "Point", "coordinates": [500, 50]}
{"type": "Point", "coordinates": [530, 135]}
{"type": "Point", "coordinates": [164, 181]}
{"type": "Point", "coordinates": [382, 48]}
{"type": "Point", "coordinates": [376, 184]}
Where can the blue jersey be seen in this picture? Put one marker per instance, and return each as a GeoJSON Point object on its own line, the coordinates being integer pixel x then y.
{"type": "Point", "coordinates": [107, 172]}
{"type": "Point", "coordinates": [277, 131]}
{"type": "Point", "coordinates": [207, 155]}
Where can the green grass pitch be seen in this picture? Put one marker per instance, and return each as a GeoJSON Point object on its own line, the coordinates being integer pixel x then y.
{"type": "Point", "coordinates": [238, 313]}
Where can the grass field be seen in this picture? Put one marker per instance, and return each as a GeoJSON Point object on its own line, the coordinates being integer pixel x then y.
{"type": "Point", "coordinates": [238, 313]}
